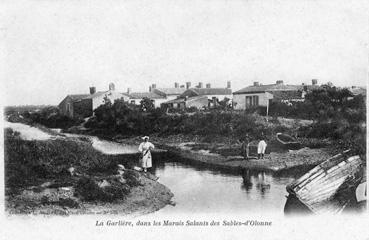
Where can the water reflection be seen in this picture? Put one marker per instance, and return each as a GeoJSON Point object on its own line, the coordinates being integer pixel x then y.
{"type": "Point", "coordinates": [247, 183]}
{"type": "Point", "coordinates": [261, 179]}
{"type": "Point", "coordinates": [198, 188]}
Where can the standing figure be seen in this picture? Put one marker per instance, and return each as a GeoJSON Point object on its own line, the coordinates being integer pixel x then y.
{"type": "Point", "coordinates": [261, 148]}
{"type": "Point", "coordinates": [245, 147]}
{"type": "Point", "coordinates": [145, 149]}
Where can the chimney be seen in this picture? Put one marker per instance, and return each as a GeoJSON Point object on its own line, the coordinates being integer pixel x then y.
{"type": "Point", "coordinates": [150, 88]}
{"type": "Point", "coordinates": [314, 81]}
{"type": "Point", "coordinates": [128, 91]}
{"type": "Point", "coordinates": [200, 85]}
{"type": "Point", "coordinates": [176, 85]}
{"type": "Point", "coordinates": [92, 90]}
{"type": "Point", "coordinates": [279, 82]}
{"type": "Point", "coordinates": [153, 86]}
{"type": "Point", "coordinates": [229, 84]}
{"type": "Point", "coordinates": [188, 85]}
{"type": "Point", "coordinates": [256, 83]}
{"type": "Point", "coordinates": [208, 85]}
{"type": "Point", "coordinates": [111, 87]}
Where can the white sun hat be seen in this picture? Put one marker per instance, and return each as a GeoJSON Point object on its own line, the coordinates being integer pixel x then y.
{"type": "Point", "coordinates": [144, 137]}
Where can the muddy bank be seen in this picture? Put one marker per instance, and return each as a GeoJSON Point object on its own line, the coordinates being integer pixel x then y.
{"type": "Point", "coordinates": [224, 151]}
{"type": "Point", "coordinates": [225, 154]}
{"type": "Point", "coordinates": [149, 197]}
{"type": "Point", "coordinates": [273, 161]}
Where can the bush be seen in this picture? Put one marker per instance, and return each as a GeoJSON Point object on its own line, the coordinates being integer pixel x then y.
{"type": "Point", "coordinates": [132, 178]}
{"type": "Point", "coordinates": [122, 118]}
{"type": "Point", "coordinates": [30, 162]}
{"type": "Point", "coordinates": [336, 114]}
{"type": "Point", "coordinates": [147, 105]}
{"type": "Point", "coordinates": [89, 190]}
{"type": "Point", "coordinates": [48, 116]}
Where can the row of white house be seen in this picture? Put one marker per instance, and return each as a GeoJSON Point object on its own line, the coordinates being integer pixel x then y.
{"type": "Point", "coordinates": [84, 104]}
{"type": "Point", "coordinates": [186, 96]}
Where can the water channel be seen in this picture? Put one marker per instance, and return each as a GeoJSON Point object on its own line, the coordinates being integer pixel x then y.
{"type": "Point", "coordinates": [206, 190]}
{"type": "Point", "coordinates": [202, 189]}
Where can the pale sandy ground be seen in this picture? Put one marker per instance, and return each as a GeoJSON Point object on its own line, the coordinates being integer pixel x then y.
{"type": "Point", "coordinates": [28, 132]}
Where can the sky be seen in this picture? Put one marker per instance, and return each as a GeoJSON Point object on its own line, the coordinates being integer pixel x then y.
{"type": "Point", "coordinates": [54, 48]}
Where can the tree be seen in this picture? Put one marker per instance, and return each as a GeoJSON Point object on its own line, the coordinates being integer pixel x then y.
{"type": "Point", "coordinates": [225, 104]}
{"type": "Point", "coordinates": [147, 105]}
{"type": "Point", "coordinates": [105, 113]}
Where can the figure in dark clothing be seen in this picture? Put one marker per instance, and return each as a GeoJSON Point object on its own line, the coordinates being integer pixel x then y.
{"type": "Point", "coordinates": [245, 147]}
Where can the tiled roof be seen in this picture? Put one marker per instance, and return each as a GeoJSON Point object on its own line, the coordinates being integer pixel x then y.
{"type": "Point", "coordinates": [96, 94]}
{"type": "Point", "coordinates": [180, 100]}
{"type": "Point", "coordinates": [76, 97]}
{"type": "Point", "coordinates": [140, 95]}
{"type": "Point", "coordinates": [170, 91]}
{"type": "Point", "coordinates": [287, 95]}
{"type": "Point", "coordinates": [207, 91]}
{"type": "Point", "coordinates": [269, 88]}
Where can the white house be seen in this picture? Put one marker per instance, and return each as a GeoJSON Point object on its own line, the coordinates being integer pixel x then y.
{"type": "Point", "coordinates": [136, 97]}
{"type": "Point", "coordinates": [263, 95]}
{"type": "Point", "coordinates": [98, 98]}
{"type": "Point", "coordinates": [169, 93]}
{"type": "Point", "coordinates": [83, 105]}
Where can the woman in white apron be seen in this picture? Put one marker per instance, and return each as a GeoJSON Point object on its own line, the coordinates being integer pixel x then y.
{"type": "Point", "coordinates": [145, 150]}
{"type": "Point", "coordinates": [261, 148]}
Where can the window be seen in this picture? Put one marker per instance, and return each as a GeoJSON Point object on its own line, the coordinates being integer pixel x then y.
{"type": "Point", "coordinates": [69, 108]}
{"type": "Point", "coordinates": [252, 101]}
{"type": "Point", "coordinates": [255, 100]}
{"type": "Point", "coordinates": [248, 101]}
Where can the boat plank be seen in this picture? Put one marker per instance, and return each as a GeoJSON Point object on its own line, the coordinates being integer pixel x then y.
{"type": "Point", "coordinates": [317, 188]}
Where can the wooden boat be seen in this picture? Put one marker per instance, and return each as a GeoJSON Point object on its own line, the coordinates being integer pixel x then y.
{"type": "Point", "coordinates": [287, 141]}
{"type": "Point", "coordinates": [328, 187]}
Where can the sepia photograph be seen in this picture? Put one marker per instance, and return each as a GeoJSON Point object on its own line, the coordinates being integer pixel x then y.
{"type": "Point", "coordinates": [222, 111]}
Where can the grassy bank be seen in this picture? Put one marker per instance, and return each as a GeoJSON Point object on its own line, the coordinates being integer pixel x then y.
{"type": "Point", "coordinates": [64, 175]}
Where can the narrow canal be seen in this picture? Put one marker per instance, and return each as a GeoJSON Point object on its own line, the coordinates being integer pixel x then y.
{"type": "Point", "coordinates": [202, 189]}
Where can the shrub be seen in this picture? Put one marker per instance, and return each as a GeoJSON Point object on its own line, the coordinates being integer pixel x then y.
{"type": "Point", "coordinates": [147, 105]}
{"type": "Point", "coordinates": [132, 178]}
{"type": "Point", "coordinates": [89, 190]}
{"type": "Point", "coordinates": [30, 162]}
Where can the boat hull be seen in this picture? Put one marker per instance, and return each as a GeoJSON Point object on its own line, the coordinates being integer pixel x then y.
{"type": "Point", "coordinates": [330, 186]}
{"type": "Point", "coordinates": [288, 142]}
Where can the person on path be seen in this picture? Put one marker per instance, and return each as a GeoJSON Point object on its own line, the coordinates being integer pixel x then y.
{"type": "Point", "coordinates": [145, 150]}
{"type": "Point", "coordinates": [261, 148]}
